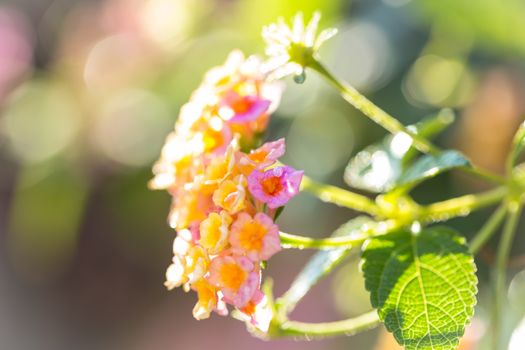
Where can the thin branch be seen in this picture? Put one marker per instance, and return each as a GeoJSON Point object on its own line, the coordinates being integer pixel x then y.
{"type": "Point", "coordinates": [461, 206]}
{"type": "Point", "coordinates": [502, 258]}
{"type": "Point", "coordinates": [379, 116]}
{"type": "Point", "coordinates": [488, 229]}
{"type": "Point", "coordinates": [309, 331]}
{"type": "Point", "coordinates": [339, 196]}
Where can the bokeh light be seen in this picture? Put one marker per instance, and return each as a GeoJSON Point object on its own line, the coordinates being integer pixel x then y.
{"type": "Point", "coordinates": [439, 81]}
{"type": "Point", "coordinates": [42, 119]}
{"type": "Point", "coordinates": [131, 128]}
{"type": "Point", "coordinates": [363, 55]}
{"type": "Point", "coordinates": [329, 135]}
{"type": "Point", "coordinates": [16, 49]}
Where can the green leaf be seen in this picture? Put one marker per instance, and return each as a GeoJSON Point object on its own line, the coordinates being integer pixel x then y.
{"type": "Point", "coordinates": [518, 143]}
{"type": "Point", "coordinates": [377, 167]}
{"type": "Point", "coordinates": [321, 264]}
{"type": "Point", "coordinates": [431, 165]}
{"type": "Point", "coordinates": [424, 286]}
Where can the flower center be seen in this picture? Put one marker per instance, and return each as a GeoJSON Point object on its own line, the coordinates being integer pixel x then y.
{"type": "Point", "coordinates": [252, 235]}
{"type": "Point", "coordinates": [212, 139]}
{"type": "Point", "coordinates": [258, 156]}
{"type": "Point", "coordinates": [300, 54]}
{"type": "Point", "coordinates": [242, 105]}
{"type": "Point", "coordinates": [272, 185]}
{"type": "Point", "coordinates": [232, 276]}
{"type": "Point", "coordinates": [212, 231]}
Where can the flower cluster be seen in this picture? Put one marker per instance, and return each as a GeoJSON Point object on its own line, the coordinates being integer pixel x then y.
{"type": "Point", "coordinates": [226, 192]}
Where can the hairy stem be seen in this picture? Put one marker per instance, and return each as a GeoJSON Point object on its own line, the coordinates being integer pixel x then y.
{"type": "Point", "coordinates": [339, 196]}
{"type": "Point", "coordinates": [485, 175]}
{"type": "Point", "coordinates": [461, 206]}
{"type": "Point", "coordinates": [502, 258]}
{"type": "Point", "coordinates": [295, 241]}
{"type": "Point", "coordinates": [308, 331]}
{"type": "Point", "coordinates": [488, 229]}
{"type": "Point", "coordinates": [376, 114]}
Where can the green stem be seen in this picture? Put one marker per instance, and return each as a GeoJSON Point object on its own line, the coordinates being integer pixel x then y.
{"type": "Point", "coordinates": [371, 230]}
{"type": "Point", "coordinates": [300, 242]}
{"type": "Point", "coordinates": [339, 196]}
{"type": "Point", "coordinates": [303, 330]}
{"type": "Point", "coordinates": [488, 229]}
{"type": "Point", "coordinates": [485, 175]}
{"type": "Point", "coordinates": [461, 206]}
{"type": "Point", "coordinates": [356, 99]}
{"type": "Point", "coordinates": [439, 211]}
{"type": "Point", "coordinates": [502, 258]}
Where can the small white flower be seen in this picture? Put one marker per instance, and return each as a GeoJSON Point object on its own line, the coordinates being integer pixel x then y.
{"type": "Point", "coordinates": [292, 49]}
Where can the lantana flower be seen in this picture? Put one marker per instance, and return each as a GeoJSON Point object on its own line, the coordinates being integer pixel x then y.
{"type": "Point", "coordinates": [257, 237]}
{"type": "Point", "coordinates": [275, 186]}
{"type": "Point", "coordinates": [262, 157]}
{"type": "Point", "coordinates": [234, 99]}
{"type": "Point", "coordinates": [231, 194]}
{"type": "Point", "coordinates": [190, 204]}
{"type": "Point", "coordinates": [258, 313]}
{"type": "Point", "coordinates": [208, 300]}
{"type": "Point", "coordinates": [239, 109]}
{"type": "Point", "coordinates": [291, 49]}
{"type": "Point", "coordinates": [214, 232]}
{"type": "Point", "coordinates": [190, 262]}
{"type": "Point", "coordinates": [237, 277]}
{"type": "Point", "coordinates": [224, 230]}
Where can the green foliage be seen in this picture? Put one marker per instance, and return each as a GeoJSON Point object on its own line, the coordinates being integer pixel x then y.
{"type": "Point", "coordinates": [431, 165]}
{"type": "Point", "coordinates": [378, 167]}
{"type": "Point", "coordinates": [423, 285]}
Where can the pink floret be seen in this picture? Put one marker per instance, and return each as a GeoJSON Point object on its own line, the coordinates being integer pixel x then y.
{"type": "Point", "coordinates": [237, 278]}
{"type": "Point", "coordinates": [264, 156]}
{"type": "Point", "coordinates": [275, 186]}
{"type": "Point", "coordinates": [245, 108]}
{"type": "Point", "coordinates": [257, 237]}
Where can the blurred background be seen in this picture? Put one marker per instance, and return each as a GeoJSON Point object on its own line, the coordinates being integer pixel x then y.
{"type": "Point", "coordinates": [89, 90]}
